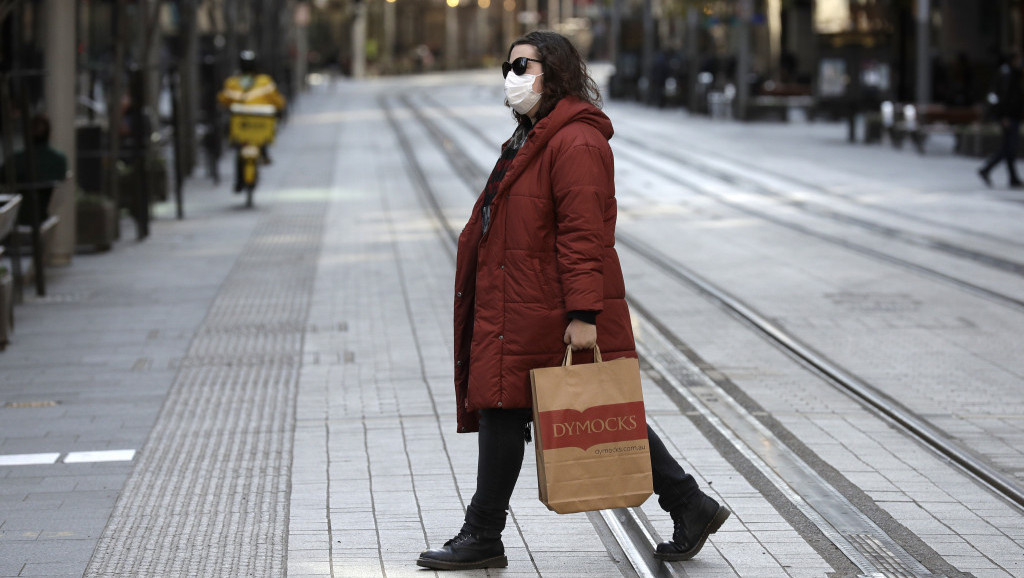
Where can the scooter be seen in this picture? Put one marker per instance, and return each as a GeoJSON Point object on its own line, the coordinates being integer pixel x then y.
{"type": "Point", "coordinates": [253, 126]}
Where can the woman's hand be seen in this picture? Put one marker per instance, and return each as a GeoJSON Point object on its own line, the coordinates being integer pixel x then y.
{"type": "Point", "coordinates": [580, 334]}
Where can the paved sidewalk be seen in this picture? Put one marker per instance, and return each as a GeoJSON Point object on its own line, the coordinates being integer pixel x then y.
{"type": "Point", "coordinates": [283, 377]}
{"type": "Point", "coordinates": [88, 370]}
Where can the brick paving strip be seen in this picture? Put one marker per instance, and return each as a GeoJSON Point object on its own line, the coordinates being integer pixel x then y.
{"type": "Point", "coordinates": [214, 474]}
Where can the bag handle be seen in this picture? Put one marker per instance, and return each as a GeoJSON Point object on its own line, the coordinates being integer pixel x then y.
{"type": "Point", "coordinates": [567, 360]}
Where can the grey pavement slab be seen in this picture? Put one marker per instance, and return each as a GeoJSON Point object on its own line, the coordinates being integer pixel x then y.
{"type": "Point", "coordinates": [400, 476]}
{"type": "Point", "coordinates": [345, 460]}
{"type": "Point", "coordinates": [932, 193]}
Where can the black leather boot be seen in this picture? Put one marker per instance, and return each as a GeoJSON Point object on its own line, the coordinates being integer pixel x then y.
{"type": "Point", "coordinates": [984, 176]}
{"type": "Point", "coordinates": [692, 528]}
{"type": "Point", "coordinates": [465, 552]}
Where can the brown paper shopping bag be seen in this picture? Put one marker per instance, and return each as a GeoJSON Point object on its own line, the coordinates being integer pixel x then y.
{"type": "Point", "coordinates": [592, 450]}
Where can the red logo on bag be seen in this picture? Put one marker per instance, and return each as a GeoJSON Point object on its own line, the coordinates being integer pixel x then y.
{"type": "Point", "coordinates": [602, 424]}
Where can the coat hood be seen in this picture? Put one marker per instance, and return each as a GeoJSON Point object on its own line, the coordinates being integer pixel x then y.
{"type": "Point", "coordinates": [569, 110]}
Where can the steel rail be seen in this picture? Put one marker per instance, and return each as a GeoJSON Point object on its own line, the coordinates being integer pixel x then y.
{"type": "Point", "coordinates": [828, 509]}
{"type": "Point", "coordinates": [986, 293]}
{"type": "Point", "coordinates": [690, 159]}
{"type": "Point", "coordinates": [994, 261]}
{"type": "Point", "coordinates": [634, 540]}
{"type": "Point", "coordinates": [857, 546]}
{"type": "Point", "coordinates": [989, 294]}
{"type": "Point", "coordinates": [841, 522]}
{"type": "Point", "coordinates": [838, 376]}
{"type": "Point", "coordinates": [835, 517]}
{"type": "Point", "coordinates": [918, 427]}
{"type": "Point", "coordinates": [625, 527]}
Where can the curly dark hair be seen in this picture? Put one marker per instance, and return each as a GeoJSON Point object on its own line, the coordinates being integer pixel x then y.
{"type": "Point", "coordinates": [565, 72]}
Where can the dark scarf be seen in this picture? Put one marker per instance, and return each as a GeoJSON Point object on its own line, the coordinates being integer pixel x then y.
{"type": "Point", "coordinates": [508, 153]}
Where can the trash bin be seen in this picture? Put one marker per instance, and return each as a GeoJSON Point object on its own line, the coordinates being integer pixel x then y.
{"type": "Point", "coordinates": [89, 164]}
{"type": "Point", "coordinates": [720, 102]}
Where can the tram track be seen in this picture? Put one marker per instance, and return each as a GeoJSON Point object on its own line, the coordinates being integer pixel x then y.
{"type": "Point", "coordinates": [627, 528]}
{"type": "Point", "coordinates": [858, 537]}
{"type": "Point", "coordinates": [917, 426]}
{"type": "Point", "coordinates": [693, 161]}
{"type": "Point", "coordinates": [906, 419]}
{"type": "Point", "coordinates": [944, 247]}
{"type": "Point", "coordinates": [820, 210]}
{"type": "Point", "coordinates": [860, 248]}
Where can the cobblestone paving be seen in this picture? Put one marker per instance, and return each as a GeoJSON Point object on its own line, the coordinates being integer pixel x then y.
{"type": "Point", "coordinates": [379, 472]}
{"type": "Point", "coordinates": [296, 390]}
{"type": "Point", "coordinates": [214, 475]}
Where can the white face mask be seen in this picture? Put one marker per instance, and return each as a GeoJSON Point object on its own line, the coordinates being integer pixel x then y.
{"type": "Point", "coordinates": [519, 91]}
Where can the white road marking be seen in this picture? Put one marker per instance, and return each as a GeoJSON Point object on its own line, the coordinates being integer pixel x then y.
{"type": "Point", "coordinates": [69, 458]}
{"type": "Point", "coordinates": [100, 456]}
{"type": "Point", "coordinates": [28, 459]}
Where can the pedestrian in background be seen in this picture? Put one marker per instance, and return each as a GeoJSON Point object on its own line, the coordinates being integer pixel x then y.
{"type": "Point", "coordinates": [51, 167]}
{"type": "Point", "coordinates": [1007, 104]}
{"type": "Point", "coordinates": [536, 270]}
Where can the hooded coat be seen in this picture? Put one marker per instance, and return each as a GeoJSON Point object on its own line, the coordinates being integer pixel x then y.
{"type": "Point", "coordinates": [550, 249]}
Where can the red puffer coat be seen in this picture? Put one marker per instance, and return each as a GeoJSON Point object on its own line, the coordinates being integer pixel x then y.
{"type": "Point", "coordinates": [549, 250]}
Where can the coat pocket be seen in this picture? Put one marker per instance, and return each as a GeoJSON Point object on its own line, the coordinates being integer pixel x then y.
{"type": "Point", "coordinates": [524, 279]}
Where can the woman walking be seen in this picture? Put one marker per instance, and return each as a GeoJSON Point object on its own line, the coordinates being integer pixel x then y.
{"type": "Point", "coordinates": [536, 270]}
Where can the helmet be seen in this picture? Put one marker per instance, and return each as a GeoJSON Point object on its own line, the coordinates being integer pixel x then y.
{"type": "Point", "coordinates": [247, 62]}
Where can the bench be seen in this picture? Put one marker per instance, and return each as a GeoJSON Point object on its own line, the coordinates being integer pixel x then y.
{"type": "Point", "coordinates": [781, 100]}
{"type": "Point", "coordinates": [781, 107]}
{"type": "Point", "coordinates": [920, 122]}
{"type": "Point", "coordinates": [9, 205]}
{"type": "Point", "coordinates": [37, 238]}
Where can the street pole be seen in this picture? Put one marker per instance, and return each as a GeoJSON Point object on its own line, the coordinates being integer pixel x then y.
{"type": "Point", "coordinates": [775, 37]}
{"type": "Point", "coordinates": [188, 70]}
{"type": "Point", "coordinates": [389, 36]}
{"type": "Point", "coordinates": [60, 107]}
{"type": "Point", "coordinates": [266, 21]}
{"type": "Point", "coordinates": [743, 59]}
{"type": "Point", "coordinates": [483, 31]}
{"type": "Point", "coordinates": [302, 18]}
{"type": "Point", "coordinates": [359, 39]}
{"type": "Point", "coordinates": [553, 16]}
{"type": "Point", "coordinates": [230, 35]}
{"type": "Point", "coordinates": [115, 116]}
{"type": "Point", "coordinates": [692, 47]}
{"type": "Point", "coordinates": [451, 26]}
{"type": "Point", "coordinates": [32, 197]}
{"type": "Point", "coordinates": [615, 31]}
{"type": "Point", "coordinates": [151, 58]}
{"type": "Point", "coordinates": [274, 35]}
{"type": "Point", "coordinates": [482, 27]}
{"type": "Point", "coordinates": [533, 9]}
{"type": "Point", "coordinates": [179, 162]}
{"type": "Point", "coordinates": [141, 88]}
{"type": "Point", "coordinates": [647, 60]}
{"type": "Point", "coordinates": [508, 11]}
{"type": "Point", "coordinates": [924, 60]}
{"type": "Point", "coordinates": [140, 137]}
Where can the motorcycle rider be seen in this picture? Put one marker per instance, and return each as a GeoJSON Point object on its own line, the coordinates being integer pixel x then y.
{"type": "Point", "coordinates": [250, 86]}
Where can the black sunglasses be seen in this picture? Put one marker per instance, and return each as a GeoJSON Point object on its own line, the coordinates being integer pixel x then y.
{"type": "Point", "coordinates": [517, 66]}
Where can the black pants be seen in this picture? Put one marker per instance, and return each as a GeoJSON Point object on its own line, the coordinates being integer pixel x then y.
{"type": "Point", "coordinates": [1007, 151]}
{"type": "Point", "coordinates": [502, 442]}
